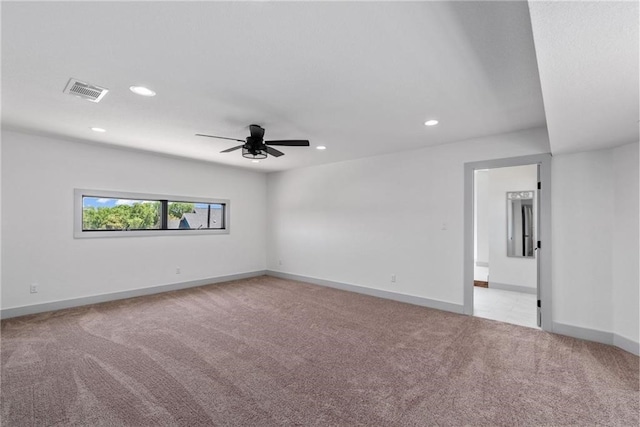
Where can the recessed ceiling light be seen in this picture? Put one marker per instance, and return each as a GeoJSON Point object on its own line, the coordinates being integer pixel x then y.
{"type": "Point", "coordinates": [321, 147]}
{"type": "Point", "coordinates": [255, 161]}
{"type": "Point", "coordinates": [98, 130]}
{"type": "Point", "coordinates": [141, 90]}
{"type": "Point", "coordinates": [431, 122]}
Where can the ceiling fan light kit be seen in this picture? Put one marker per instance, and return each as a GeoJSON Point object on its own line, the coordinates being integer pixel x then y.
{"type": "Point", "coordinates": [254, 154]}
{"type": "Point", "coordinates": [256, 148]}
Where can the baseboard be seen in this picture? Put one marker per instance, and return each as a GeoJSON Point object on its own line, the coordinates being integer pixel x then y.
{"type": "Point", "coordinates": [583, 333]}
{"type": "Point", "coordinates": [410, 299]}
{"type": "Point", "coordinates": [94, 299]}
{"type": "Point", "coordinates": [512, 288]}
{"type": "Point", "coordinates": [559, 328]}
{"type": "Point", "coordinates": [603, 337]}
{"type": "Point", "coordinates": [626, 344]}
{"type": "Point", "coordinates": [595, 335]}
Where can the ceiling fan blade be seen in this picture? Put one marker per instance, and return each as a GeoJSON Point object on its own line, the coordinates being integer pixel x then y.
{"type": "Point", "coordinates": [232, 148]}
{"type": "Point", "coordinates": [220, 137]}
{"type": "Point", "coordinates": [274, 152]}
{"type": "Point", "coordinates": [289, 142]}
{"type": "Point", "coordinates": [257, 131]}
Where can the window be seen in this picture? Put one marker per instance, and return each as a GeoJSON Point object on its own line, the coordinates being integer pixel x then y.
{"type": "Point", "coordinates": [104, 214]}
{"type": "Point", "coordinates": [195, 216]}
{"type": "Point", "coordinates": [110, 214]}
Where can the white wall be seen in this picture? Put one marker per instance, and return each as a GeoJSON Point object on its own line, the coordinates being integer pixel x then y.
{"type": "Point", "coordinates": [359, 222]}
{"type": "Point", "coordinates": [626, 275]}
{"type": "Point", "coordinates": [504, 270]}
{"type": "Point", "coordinates": [38, 178]}
{"type": "Point", "coordinates": [595, 240]}
{"type": "Point", "coordinates": [582, 220]}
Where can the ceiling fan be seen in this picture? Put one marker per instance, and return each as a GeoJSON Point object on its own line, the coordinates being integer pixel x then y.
{"type": "Point", "coordinates": [255, 147]}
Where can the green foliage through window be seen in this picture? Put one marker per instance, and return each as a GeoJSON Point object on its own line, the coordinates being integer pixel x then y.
{"type": "Point", "coordinates": [127, 215]}
{"type": "Point", "coordinates": [177, 209]}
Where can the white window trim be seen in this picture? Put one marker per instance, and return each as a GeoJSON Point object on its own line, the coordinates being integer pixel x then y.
{"type": "Point", "coordinates": [78, 232]}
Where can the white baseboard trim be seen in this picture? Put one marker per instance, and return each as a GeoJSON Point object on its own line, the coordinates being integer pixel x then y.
{"type": "Point", "coordinates": [603, 337]}
{"type": "Point", "coordinates": [7, 313]}
{"type": "Point", "coordinates": [595, 335]}
{"type": "Point", "coordinates": [512, 288]}
{"type": "Point", "coordinates": [583, 333]}
{"type": "Point", "coordinates": [626, 344]}
{"type": "Point", "coordinates": [410, 299]}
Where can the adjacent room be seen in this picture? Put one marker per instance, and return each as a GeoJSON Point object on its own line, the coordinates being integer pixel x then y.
{"type": "Point", "coordinates": [319, 213]}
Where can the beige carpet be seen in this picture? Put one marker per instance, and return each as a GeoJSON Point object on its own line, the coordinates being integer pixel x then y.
{"type": "Point", "coordinates": [266, 351]}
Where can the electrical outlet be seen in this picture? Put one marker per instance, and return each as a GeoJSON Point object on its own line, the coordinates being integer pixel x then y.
{"type": "Point", "coordinates": [33, 288]}
{"type": "Point", "coordinates": [178, 270]}
{"type": "Point", "coordinates": [393, 278]}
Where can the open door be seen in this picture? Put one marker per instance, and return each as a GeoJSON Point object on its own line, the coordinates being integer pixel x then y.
{"type": "Point", "coordinates": [537, 248]}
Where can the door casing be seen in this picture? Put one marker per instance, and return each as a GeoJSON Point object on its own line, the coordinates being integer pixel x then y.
{"type": "Point", "coordinates": [543, 253]}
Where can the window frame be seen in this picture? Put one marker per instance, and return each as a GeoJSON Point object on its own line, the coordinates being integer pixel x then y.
{"type": "Point", "coordinates": [164, 199]}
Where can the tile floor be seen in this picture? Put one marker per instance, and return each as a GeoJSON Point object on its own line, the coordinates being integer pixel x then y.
{"type": "Point", "coordinates": [505, 306]}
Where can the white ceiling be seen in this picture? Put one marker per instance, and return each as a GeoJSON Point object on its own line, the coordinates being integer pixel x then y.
{"type": "Point", "coordinates": [588, 58]}
{"type": "Point", "coordinates": [358, 77]}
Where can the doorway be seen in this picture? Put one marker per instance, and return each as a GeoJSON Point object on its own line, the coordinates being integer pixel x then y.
{"type": "Point", "coordinates": [538, 295]}
{"type": "Point", "coordinates": [505, 229]}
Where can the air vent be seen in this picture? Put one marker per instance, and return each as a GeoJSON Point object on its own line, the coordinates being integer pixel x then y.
{"type": "Point", "coordinates": [85, 90]}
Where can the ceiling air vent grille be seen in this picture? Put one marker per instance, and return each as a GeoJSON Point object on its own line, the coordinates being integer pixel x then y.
{"type": "Point", "coordinates": [85, 90]}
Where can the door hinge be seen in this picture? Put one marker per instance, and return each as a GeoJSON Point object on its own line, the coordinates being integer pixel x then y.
{"type": "Point", "coordinates": [539, 244]}
{"type": "Point", "coordinates": [539, 186]}
{"type": "Point", "coordinates": [539, 304]}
